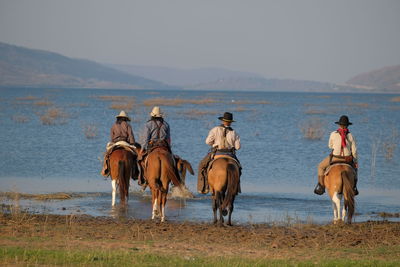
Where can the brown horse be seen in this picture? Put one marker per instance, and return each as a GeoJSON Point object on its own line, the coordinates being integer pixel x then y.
{"type": "Point", "coordinates": [223, 179]}
{"type": "Point", "coordinates": [121, 163]}
{"type": "Point", "coordinates": [159, 172]}
{"type": "Point", "coordinates": [339, 182]}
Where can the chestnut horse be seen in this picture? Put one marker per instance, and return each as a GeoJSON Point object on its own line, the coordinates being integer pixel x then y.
{"type": "Point", "coordinates": [339, 181]}
{"type": "Point", "coordinates": [159, 172]}
{"type": "Point", "coordinates": [121, 163]}
{"type": "Point", "coordinates": [223, 179]}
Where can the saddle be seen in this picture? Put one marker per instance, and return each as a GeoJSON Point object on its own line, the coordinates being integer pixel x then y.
{"type": "Point", "coordinates": [219, 157]}
{"type": "Point", "coordinates": [339, 163]}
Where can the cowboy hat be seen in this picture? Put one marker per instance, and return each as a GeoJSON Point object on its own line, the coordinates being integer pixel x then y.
{"type": "Point", "coordinates": [123, 114]}
{"type": "Point", "coordinates": [156, 112]}
{"type": "Point", "coordinates": [227, 117]}
{"type": "Point", "coordinates": [344, 120]}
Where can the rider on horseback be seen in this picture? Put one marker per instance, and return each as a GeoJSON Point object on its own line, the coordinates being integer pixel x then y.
{"type": "Point", "coordinates": [344, 149]}
{"type": "Point", "coordinates": [157, 136]}
{"type": "Point", "coordinates": [120, 131]}
{"type": "Point", "coordinates": [223, 141]}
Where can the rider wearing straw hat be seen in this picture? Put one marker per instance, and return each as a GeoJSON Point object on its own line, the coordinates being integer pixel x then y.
{"type": "Point", "coordinates": [223, 141]}
{"type": "Point", "coordinates": [120, 131]}
{"type": "Point", "coordinates": [344, 149]}
{"type": "Point", "coordinates": [157, 131]}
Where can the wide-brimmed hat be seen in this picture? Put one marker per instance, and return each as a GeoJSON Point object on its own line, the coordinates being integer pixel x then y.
{"type": "Point", "coordinates": [227, 117]}
{"type": "Point", "coordinates": [123, 114]}
{"type": "Point", "coordinates": [344, 120]}
{"type": "Point", "coordinates": [156, 112]}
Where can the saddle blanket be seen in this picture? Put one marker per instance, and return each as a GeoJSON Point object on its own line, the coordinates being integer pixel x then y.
{"type": "Point", "coordinates": [111, 146]}
{"type": "Point", "coordinates": [335, 164]}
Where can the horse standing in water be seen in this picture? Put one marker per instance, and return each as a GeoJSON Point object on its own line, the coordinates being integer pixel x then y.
{"type": "Point", "coordinates": [159, 172]}
{"type": "Point", "coordinates": [339, 181]}
{"type": "Point", "coordinates": [223, 179]}
{"type": "Point", "coordinates": [121, 163]}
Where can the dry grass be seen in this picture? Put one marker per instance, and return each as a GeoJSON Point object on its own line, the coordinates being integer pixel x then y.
{"type": "Point", "coordinates": [390, 144]}
{"type": "Point", "coordinates": [20, 118]}
{"type": "Point", "coordinates": [395, 99]}
{"type": "Point", "coordinates": [43, 102]}
{"type": "Point", "coordinates": [90, 131]}
{"type": "Point", "coordinates": [315, 112]}
{"type": "Point", "coordinates": [128, 105]}
{"type": "Point", "coordinates": [177, 101]}
{"type": "Point", "coordinates": [119, 102]}
{"type": "Point", "coordinates": [197, 114]}
{"type": "Point", "coordinates": [27, 98]}
{"type": "Point", "coordinates": [53, 116]}
{"type": "Point", "coordinates": [313, 129]}
{"type": "Point", "coordinates": [247, 102]}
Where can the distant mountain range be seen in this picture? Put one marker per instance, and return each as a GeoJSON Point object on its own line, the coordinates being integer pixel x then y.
{"type": "Point", "coordinates": [221, 79]}
{"type": "Point", "coordinates": [20, 67]}
{"type": "Point", "coordinates": [384, 79]}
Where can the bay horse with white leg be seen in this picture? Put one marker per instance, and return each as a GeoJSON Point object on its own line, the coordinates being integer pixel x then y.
{"type": "Point", "coordinates": [339, 181]}
{"type": "Point", "coordinates": [121, 163]}
{"type": "Point", "coordinates": [223, 179]}
{"type": "Point", "coordinates": [159, 172]}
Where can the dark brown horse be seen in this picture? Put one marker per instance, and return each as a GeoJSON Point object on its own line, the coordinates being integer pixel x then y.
{"type": "Point", "coordinates": [159, 172]}
{"type": "Point", "coordinates": [121, 163]}
{"type": "Point", "coordinates": [223, 179]}
{"type": "Point", "coordinates": [340, 182]}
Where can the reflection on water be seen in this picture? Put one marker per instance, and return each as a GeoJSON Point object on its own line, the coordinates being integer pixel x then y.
{"type": "Point", "coordinates": [279, 171]}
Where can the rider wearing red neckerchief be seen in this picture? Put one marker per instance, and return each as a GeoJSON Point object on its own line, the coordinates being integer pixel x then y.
{"type": "Point", "coordinates": [344, 149]}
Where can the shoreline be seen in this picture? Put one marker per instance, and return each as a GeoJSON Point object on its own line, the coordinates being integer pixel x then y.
{"type": "Point", "coordinates": [299, 242]}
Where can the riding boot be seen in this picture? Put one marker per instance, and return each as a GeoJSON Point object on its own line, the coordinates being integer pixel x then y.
{"type": "Point", "coordinates": [320, 188]}
{"type": "Point", "coordinates": [105, 170]}
{"type": "Point", "coordinates": [202, 184]}
{"type": "Point", "coordinates": [355, 185]}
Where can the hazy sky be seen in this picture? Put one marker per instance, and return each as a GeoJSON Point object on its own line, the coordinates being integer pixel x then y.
{"type": "Point", "coordinates": [302, 39]}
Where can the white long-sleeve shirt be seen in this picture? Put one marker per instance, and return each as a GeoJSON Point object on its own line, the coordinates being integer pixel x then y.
{"type": "Point", "coordinates": [335, 143]}
{"type": "Point", "coordinates": [216, 138]}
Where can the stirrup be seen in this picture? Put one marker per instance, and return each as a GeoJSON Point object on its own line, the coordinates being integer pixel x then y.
{"type": "Point", "coordinates": [319, 189]}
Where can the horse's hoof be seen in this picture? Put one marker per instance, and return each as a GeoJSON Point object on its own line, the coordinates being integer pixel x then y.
{"type": "Point", "coordinates": [224, 212]}
{"type": "Point", "coordinates": [229, 224]}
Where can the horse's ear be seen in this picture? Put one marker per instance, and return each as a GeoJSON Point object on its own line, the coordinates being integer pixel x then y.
{"type": "Point", "coordinates": [188, 166]}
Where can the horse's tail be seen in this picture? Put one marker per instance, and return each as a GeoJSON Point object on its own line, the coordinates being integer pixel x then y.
{"type": "Point", "coordinates": [348, 192]}
{"type": "Point", "coordinates": [232, 186]}
{"type": "Point", "coordinates": [122, 181]}
{"type": "Point", "coordinates": [168, 169]}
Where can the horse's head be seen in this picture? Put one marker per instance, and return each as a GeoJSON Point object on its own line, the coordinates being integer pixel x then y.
{"type": "Point", "coordinates": [182, 166]}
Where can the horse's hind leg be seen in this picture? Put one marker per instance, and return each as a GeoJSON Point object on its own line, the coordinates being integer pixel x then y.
{"type": "Point", "coordinates": [154, 195]}
{"type": "Point", "coordinates": [336, 207]}
{"type": "Point", "coordinates": [344, 210]}
{"type": "Point", "coordinates": [230, 210]}
{"type": "Point", "coordinates": [219, 203]}
{"type": "Point", "coordinates": [215, 207]}
{"type": "Point", "coordinates": [163, 201]}
{"type": "Point", "coordinates": [114, 189]}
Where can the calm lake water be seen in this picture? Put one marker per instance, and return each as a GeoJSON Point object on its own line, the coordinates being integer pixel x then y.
{"type": "Point", "coordinates": [279, 162]}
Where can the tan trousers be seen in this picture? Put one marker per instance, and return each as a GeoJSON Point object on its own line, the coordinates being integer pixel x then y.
{"type": "Point", "coordinates": [323, 165]}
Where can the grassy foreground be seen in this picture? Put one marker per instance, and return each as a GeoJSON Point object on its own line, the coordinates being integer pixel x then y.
{"type": "Point", "coordinates": [31, 240]}
{"type": "Point", "coordinates": [26, 256]}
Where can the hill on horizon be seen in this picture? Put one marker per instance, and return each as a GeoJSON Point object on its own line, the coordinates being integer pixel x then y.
{"type": "Point", "coordinates": [383, 79]}
{"type": "Point", "coordinates": [20, 66]}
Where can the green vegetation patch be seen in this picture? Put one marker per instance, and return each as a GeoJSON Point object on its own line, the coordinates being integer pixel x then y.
{"type": "Point", "coordinates": [133, 257]}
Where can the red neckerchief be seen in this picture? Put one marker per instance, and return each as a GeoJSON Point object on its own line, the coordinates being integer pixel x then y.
{"type": "Point", "coordinates": [343, 133]}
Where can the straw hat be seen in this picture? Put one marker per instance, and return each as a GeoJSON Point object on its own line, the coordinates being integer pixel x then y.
{"type": "Point", "coordinates": [227, 117]}
{"type": "Point", "coordinates": [123, 114]}
{"type": "Point", "coordinates": [156, 112]}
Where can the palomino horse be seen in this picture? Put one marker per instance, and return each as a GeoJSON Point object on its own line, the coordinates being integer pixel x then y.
{"type": "Point", "coordinates": [339, 182]}
{"type": "Point", "coordinates": [223, 179]}
{"type": "Point", "coordinates": [121, 164]}
{"type": "Point", "coordinates": [159, 172]}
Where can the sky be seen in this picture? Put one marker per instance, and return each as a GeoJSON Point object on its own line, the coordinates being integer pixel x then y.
{"type": "Point", "coordinates": [317, 40]}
